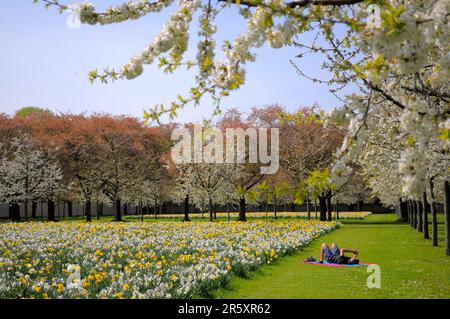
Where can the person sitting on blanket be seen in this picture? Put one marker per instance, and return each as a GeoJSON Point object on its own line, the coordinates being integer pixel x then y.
{"type": "Point", "coordinates": [337, 256]}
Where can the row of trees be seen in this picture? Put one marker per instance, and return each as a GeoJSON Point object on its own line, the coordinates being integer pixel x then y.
{"type": "Point", "coordinates": [119, 161]}
{"type": "Point", "coordinates": [74, 157]}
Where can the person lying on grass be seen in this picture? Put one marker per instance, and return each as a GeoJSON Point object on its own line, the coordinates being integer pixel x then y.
{"type": "Point", "coordinates": [337, 256]}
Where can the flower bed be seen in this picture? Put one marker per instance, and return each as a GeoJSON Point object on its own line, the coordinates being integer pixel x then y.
{"type": "Point", "coordinates": [270, 214]}
{"type": "Point", "coordinates": [140, 260]}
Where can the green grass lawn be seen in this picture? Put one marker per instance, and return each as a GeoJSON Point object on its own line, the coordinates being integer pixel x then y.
{"type": "Point", "coordinates": [410, 266]}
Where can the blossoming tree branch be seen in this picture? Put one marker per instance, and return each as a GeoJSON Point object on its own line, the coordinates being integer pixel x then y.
{"type": "Point", "coordinates": [396, 52]}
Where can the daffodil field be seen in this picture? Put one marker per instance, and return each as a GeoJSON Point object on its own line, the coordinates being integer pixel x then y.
{"type": "Point", "coordinates": [140, 260]}
{"type": "Point", "coordinates": [262, 215]}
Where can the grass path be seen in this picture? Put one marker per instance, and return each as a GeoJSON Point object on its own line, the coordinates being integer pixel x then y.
{"type": "Point", "coordinates": [410, 267]}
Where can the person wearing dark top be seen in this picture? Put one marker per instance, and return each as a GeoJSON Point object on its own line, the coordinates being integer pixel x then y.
{"type": "Point", "coordinates": [337, 256]}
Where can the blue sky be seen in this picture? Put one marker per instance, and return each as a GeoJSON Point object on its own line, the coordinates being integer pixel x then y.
{"type": "Point", "coordinates": [44, 63]}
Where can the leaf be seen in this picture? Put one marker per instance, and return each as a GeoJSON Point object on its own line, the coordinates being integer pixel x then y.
{"type": "Point", "coordinates": [267, 21]}
{"type": "Point", "coordinates": [411, 140]}
{"type": "Point", "coordinates": [444, 134]}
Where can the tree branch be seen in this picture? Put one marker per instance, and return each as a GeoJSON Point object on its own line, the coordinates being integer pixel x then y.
{"type": "Point", "coordinates": [296, 4]}
{"type": "Point", "coordinates": [427, 91]}
{"type": "Point", "coordinates": [384, 94]}
{"type": "Point", "coordinates": [303, 3]}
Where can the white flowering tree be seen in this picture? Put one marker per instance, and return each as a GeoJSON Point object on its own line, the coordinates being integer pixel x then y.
{"type": "Point", "coordinates": [355, 190]}
{"type": "Point", "coordinates": [183, 187]}
{"type": "Point", "coordinates": [392, 49]}
{"type": "Point", "coordinates": [389, 174]}
{"type": "Point", "coordinates": [151, 184]}
{"type": "Point", "coordinates": [228, 196]}
{"type": "Point", "coordinates": [399, 60]}
{"type": "Point", "coordinates": [206, 182]}
{"type": "Point", "coordinates": [28, 174]}
{"type": "Point", "coordinates": [379, 160]}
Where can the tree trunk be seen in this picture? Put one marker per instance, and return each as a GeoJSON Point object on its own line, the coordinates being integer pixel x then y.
{"type": "Point", "coordinates": [25, 209]}
{"type": "Point", "coordinates": [329, 208]}
{"type": "Point", "coordinates": [414, 208]}
{"type": "Point", "coordinates": [87, 210]}
{"type": "Point", "coordinates": [408, 206]}
{"type": "Point", "coordinates": [10, 211]}
{"type": "Point", "coordinates": [50, 210]}
{"type": "Point", "coordinates": [315, 208]}
{"type": "Point", "coordinates": [323, 208]}
{"type": "Point", "coordinates": [434, 231]}
{"type": "Point", "coordinates": [97, 209]}
{"type": "Point", "coordinates": [425, 216]}
{"type": "Point", "coordinates": [419, 214]}
{"type": "Point", "coordinates": [14, 211]}
{"type": "Point", "coordinates": [100, 209]}
{"type": "Point", "coordinates": [242, 209]}
{"type": "Point", "coordinates": [211, 216]}
{"type": "Point", "coordinates": [17, 211]}
{"type": "Point", "coordinates": [403, 210]}
{"type": "Point", "coordinates": [186, 208]}
{"type": "Point", "coordinates": [125, 209]}
{"type": "Point", "coordinates": [447, 217]}
{"type": "Point", "coordinates": [267, 210]}
{"type": "Point", "coordinates": [69, 208]}
{"type": "Point", "coordinates": [308, 209]}
{"type": "Point", "coordinates": [360, 206]}
{"type": "Point", "coordinates": [228, 211]}
{"type": "Point", "coordinates": [117, 212]}
{"type": "Point", "coordinates": [337, 209]}
{"type": "Point", "coordinates": [407, 210]}
{"type": "Point", "coordinates": [275, 208]}
{"type": "Point", "coordinates": [33, 209]}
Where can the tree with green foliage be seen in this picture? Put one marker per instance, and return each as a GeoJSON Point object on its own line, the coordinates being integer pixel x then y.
{"type": "Point", "coordinates": [31, 110]}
